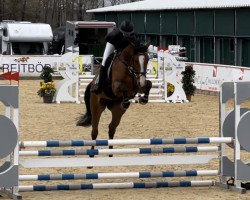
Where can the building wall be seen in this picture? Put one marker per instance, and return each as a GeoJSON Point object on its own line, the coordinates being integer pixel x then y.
{"type": "Point", "coordinates": [210, 35]}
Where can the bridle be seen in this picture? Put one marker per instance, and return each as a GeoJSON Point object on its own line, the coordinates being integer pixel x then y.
{"type": "Point", "coordinates": [131, 68]}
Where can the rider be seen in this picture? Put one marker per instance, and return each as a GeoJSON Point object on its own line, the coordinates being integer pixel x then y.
{"type": "Point", "coordinates": [116, 40]}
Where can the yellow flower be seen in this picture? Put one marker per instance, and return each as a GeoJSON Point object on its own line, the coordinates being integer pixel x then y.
{"type": "Point", "coordinates": [170, 88]}
{"type": "Point", "coordinates": [46, 88]}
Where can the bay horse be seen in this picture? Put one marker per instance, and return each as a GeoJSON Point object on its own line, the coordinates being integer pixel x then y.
{"type": "Point", "coordinates": [126, 79]}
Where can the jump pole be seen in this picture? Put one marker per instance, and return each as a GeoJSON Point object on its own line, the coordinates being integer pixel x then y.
{"type": "Point", "coordinates": [91, 152]}
{"type": "Point", "coordinates": [117, 185]}
{"type": "Point", "coordinates": [86, 176]}
{"type": "Point", "coordinates": [153, 141]}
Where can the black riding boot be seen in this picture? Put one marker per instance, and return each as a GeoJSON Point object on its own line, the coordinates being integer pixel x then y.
{"type": "Point", "coordinates": [98, 87]}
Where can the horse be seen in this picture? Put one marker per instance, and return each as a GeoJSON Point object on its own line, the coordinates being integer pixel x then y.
{"type": "Point", "coordinates": [127, 78]}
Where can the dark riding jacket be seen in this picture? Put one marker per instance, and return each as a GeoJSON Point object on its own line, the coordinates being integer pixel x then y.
{"type": "Point", "coordinates": [117, 38]}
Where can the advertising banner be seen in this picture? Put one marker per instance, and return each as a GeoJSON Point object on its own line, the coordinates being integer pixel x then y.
{"type": "Point", "coordinates": [210, 76]}
{"type": "Point", "coordinates": [33, 65]}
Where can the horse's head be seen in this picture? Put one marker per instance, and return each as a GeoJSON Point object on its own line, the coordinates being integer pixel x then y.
{"type": "Point", "coordinates": [137, 61]}
{"type": "Point", "coordinates": [141, 59]}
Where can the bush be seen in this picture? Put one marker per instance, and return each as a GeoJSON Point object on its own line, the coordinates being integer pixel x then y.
{"type": "Point", "coordinates": [46, 74]}
{"type": "Point", "coordinates": [188, 80]}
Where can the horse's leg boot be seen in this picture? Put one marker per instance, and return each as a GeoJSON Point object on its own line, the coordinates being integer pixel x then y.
{"type": "Point", "coordinates": [125, 104]}
{"type": "Point", "coordinates": [143, 100]}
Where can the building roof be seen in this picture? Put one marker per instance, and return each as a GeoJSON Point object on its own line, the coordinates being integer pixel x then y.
{"type": "Point", "coordinates": [154, 5]}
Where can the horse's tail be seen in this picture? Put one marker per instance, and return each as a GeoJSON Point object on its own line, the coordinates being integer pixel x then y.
{"type": "Point", "coordinates": [85, 119]}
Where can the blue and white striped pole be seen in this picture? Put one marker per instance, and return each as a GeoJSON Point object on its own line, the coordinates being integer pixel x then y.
{"type": "Point", "coordinates": [187, 173]}
{"type": "Point", "coordinates": [119, 151]}
{"type": "Point", "coordinates": [117, 185]}
{"type": "Point", "coordinates": [154, 141]}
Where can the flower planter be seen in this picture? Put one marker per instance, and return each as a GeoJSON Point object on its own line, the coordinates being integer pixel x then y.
{"type": "Point", "coordinates": [189, 97]}
{"type": "Point", "coordinates": [47, 88]}
{"type": "Point", "coordinates": [47, 98]}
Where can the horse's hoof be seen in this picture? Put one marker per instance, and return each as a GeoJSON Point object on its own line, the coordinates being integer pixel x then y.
{"type": "Point", "coordinates": [143, 100]}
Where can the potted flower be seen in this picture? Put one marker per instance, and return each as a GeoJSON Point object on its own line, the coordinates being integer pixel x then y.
{"type": "Point", "coordinates": [47, 88]}
{"type": "Point", "coordinates": [47, 91]}
{"type": "Point", "coordinates": [188, 81]}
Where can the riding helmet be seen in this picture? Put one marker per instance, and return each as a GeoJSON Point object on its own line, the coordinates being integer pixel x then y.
{"type": "Point", "coordinates": [127, 27]}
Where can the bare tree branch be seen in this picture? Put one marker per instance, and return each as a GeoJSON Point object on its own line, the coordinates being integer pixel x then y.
{"type": "Point", "coordinates": [54, 12]}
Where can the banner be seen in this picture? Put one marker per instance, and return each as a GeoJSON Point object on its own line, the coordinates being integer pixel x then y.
{"type": "Point", "coordinates": [33, 65]}
{"type": "Point", "coordinates": [210, 76]}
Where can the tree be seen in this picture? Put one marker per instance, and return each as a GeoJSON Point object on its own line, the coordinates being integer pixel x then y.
{"type": "Point", "coordinates": [23, 10]}
{"type": "Point", "coordinates": [2, 9]}
{"type": "Point", "coordinates": [54, 12]}
{"type": "Point", "coordinates": [116, 2]}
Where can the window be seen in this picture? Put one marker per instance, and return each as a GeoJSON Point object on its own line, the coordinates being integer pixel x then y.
{"type": "Point", "coordinates": [0, 45]}
{"type": "Point", "coordinates": [231, 44]}
{"type": "Point", "coordinates": [5, 32]}
{"type": "Point", "coordinates": [27, 48]}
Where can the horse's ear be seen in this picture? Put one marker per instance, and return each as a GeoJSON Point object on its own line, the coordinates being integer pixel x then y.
{"type": "Point", "coordinates": [147, 44]}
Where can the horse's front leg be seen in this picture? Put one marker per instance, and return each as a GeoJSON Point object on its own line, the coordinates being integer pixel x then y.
{"type": "Point", "coordinates": [117, 113]}
{"type": "Point", "coordinates": [121, 90]}
{"type": "Point", "coordinates": [144, 99]}
{"type": "Point", "coordinates": [125, 101]}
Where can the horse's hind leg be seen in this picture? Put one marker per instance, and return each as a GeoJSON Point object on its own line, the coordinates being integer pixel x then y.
{"type": "Point", "coordinates": [85, 120]}
{"type": "Point", "coordinates": [96, 110]}
{"type": "Point", "coordinates": [117, 113]}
